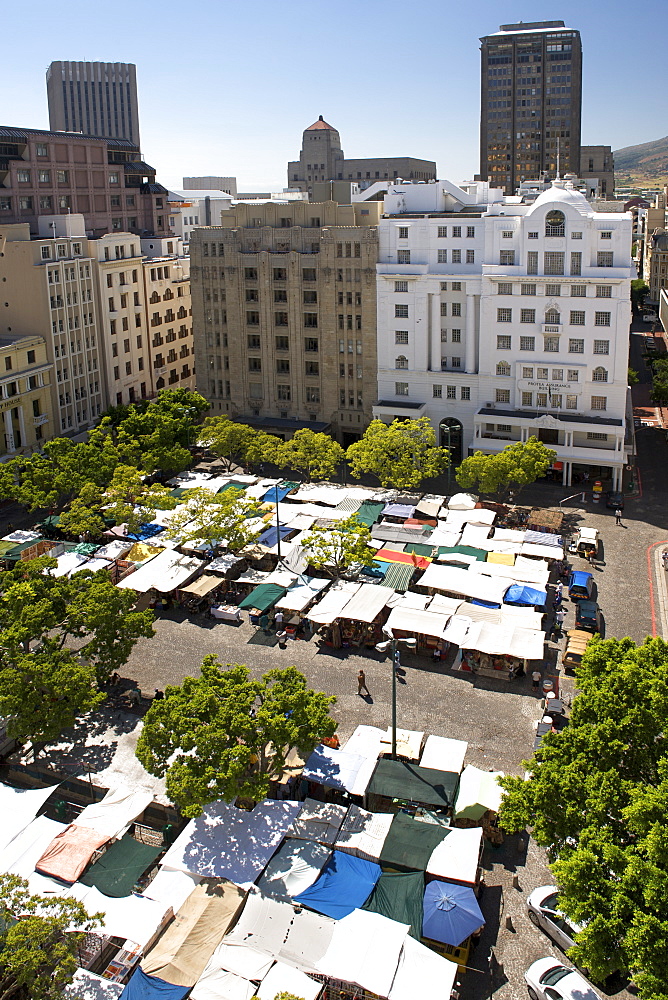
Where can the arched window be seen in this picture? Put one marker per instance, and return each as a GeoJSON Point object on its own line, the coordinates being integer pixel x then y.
{"type": "Point", "coordinates": [503, 368]}
{"type": "Point", "coordinates": [401, 362]}
{"type": "Point", "coordinates": [599, 375]}
{"type": "Point", "coordinates": [553, 316]}
{"type": "Point", "coordinates": [555, 223]}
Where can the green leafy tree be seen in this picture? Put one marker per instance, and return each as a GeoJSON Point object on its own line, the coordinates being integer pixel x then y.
{"type": "Point", "coordinates": [314, 456]}
{"type": "Point", "coordinates": [228, 440]}
{"type": "Point", "coordinates": [639, 290]}
{"type": "Point", "coordinates": [216, 518]}
{"type": "Point", "coordinates": [633, 377]}
{"type": "Point", "coordinates": [39, 937]}
{"type": "Point", "coordinates": [337, 548]}
{"type": "Point", "coordinates": [503, 475]}
{"type": "Point", "coordinates": [597, 798]}
{"type": "Point", "coordinates": [400, 454]}
{"type": "Point", "coordinates": [127, 499]}
{"type": "Point", "coordinates": [204, 740]}
{"type": "Point", "coordinates": [263, 449]}
{"type": "Point", "coordinates": [51, 479]}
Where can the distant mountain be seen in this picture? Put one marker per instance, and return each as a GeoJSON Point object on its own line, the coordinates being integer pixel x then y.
{"type": "Point", "coordinates": [649, 159]}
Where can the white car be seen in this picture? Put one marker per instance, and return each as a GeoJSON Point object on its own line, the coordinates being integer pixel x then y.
{"type": "Point", "coordinates": [543, 907]}
{"type": "Point", "coordinates": [548, 979]}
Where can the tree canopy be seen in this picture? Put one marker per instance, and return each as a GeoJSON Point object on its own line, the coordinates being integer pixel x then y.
{"type": "Point", "coordinates": [400, 454]}
{"type": "Point", "coordinates": [335, 549]}
{"type": "Point", "coordinates": [58, 638]}
{"type": "Point", "coordinates": [503, 475]}
{"type": "Point", "coordinates": [39, 936]}
{"type": "Point", "coordinates": [597, 798]}
{"type": "Point", "coordinates": [238, 444]}
{"type": "Point", "coordinates": [128, 499]}
{"type": "Point", "coordinates": [225, 734]}
{"type": "Point", "coordinates": [216, 518]}
{"type": "Point", "coordinates": [314, 456]}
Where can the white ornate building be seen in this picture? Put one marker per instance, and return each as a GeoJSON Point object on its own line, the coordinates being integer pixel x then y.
{"type": "Point", "coordinates": [499, 320]}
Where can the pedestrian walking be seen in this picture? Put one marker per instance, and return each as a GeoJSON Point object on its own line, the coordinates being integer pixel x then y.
{"type": "Point", "coordinates": [278, 620]}
{"type": "Point", "coordinates": [264, 623]}
{"type": "Point", "coordinates": [558, 591]}
{"type": "Point", "coordinates": [559, 616]}
{"type": "Point", "coordinates": [535, 679]}
{"type": "Point", "coordinates": [618, 515]}
{"type": "Point", "coordinates": [664, 558]}
{"type": "Point", "coordinates": [361, 683]}
{"type": "Point", "coordinates": [282, 639]}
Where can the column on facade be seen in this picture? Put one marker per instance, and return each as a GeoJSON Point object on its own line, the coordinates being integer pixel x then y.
{"type": "Point", "coordinates": [435, 322]}
{"type": "Point", "coordinates": [22, 428]}
{"type": "Point", "coordinates": [470, 359]}
{"type": "Point", "coordinates": [9, 430]}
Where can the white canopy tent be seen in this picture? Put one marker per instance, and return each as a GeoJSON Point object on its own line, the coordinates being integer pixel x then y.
{"type": "Point", "coordinates": [215, 984]}
{"type": "Point", "coordinates": [167, 571]}
{"type": "Point", "coordinates": [301, 593]}
{"type": "Point", "coordinates": [135, 917]}
{"type": "Point", "coordinates": [506, 640]}
{"type": "Point", "coordinates": [536, 575]}
{"type": "Point", "coordinates": [319, 821]}
{"type": "Point", "coordinates": [332, 604]}
{"type": "Point", "coordinates": [475, 534]}
{"type": "Point", "coordinates": [282, 978]}
{"type": "Point", "coordinates": [113, 550]}
{"type": "Point", "coordinates": [337, 769]}
{"type": "Point", "coordinates": [444, 754]}
{"type": "Point", "coordinates": [462, 501]}
{"type": "Point", "coordinates": [366, 603]}
{"type": "Point", "coordinates": [19, 806]}
{"type": "Point", "coordinates": [542, 550]}
{"type": "Point", "coordinates": [412, 620]}
{"type": "Point", "coordinates": [307, 940]}
{"type": "Point", "coordinates": [172, 887]}
{"type": "Point", "coordinates": [20, 856]}
{"type": "Point", "coordinates": [456, 857]}
{"type": "Point", "coordinates": [478, 788]}
{"type": "Point", "coordinates": [365, 949]}
{"type": "Point", "coordinates": [262, 926]}
{"type": "Point", "coordinates": [422, 973]}
{"type": "Point", "coordinates": [295, 866]}
{"type": "Point", "coordinates": [363, 833]}
{"type": "Point", "coordinates": [463, 581]}
{"type": "Point", "coordinates": [66, 563]}
{"type": "Point", "coordinates": [112, 816]}
{"type": "Point", "coordinates": [86, 985]}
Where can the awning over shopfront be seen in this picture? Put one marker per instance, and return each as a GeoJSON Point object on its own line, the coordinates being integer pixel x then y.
{"type": "Point", "coordinates": [478, 792]}
{"type": "Point", "coordinates": [395, 779]}
{"type": "Point", "coordinates": [202, 586]}
{"type": "Point", "coordinates": [168, 571]}
{"type": "Point", "coordinates": [263, 597]}
{"type": "Point", "coordinates": [410, 843]}
{"type": "Point", "coordinates": [399, 896]}
{"type": "Point", "coordinates": [121, 865]}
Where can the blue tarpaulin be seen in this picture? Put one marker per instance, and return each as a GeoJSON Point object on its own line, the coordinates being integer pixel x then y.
{"type": "Point", "coordinates": [521, 594]}
{"type": "Point", "coordinates": [450, 913]}
{"type": "Point", "coordinates": [345, 883]}
{"type": "Point", "coordinates": [269, 537]}
{"type": "Point", "coordinates": [278, 492]}
{"type": "Point", "coordinates": [147, 531]}
{"type": "Point", "coordinates": [143, 987]}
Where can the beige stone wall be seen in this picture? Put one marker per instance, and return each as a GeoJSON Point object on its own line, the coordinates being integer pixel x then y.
{"type": "Point", "coordinates": [26, 410]}
{"type": "Point", "coordinates": [169, 323]}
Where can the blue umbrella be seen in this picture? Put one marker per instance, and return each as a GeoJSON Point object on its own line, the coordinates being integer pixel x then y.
{"type": "Point", "coordinates": [451, 913]}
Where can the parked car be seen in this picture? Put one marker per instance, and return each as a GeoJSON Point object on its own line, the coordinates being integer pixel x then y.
{"type": "Point", "coordinates": [588, 616]}
{"type": "Point", "coordinates": [614, 500]}
{"type": "Point", "coordinates": [577, 641]}
{"type": "Point", "coordinates": [580, 585]}
{"type": "Point", "coordinates": [650, 317]}
{"type": "Point", "coordinates": [543, 907]}
{"type": "Point", "coordinates": [548, 979]}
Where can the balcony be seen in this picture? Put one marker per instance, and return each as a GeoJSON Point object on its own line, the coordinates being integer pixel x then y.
{"type": "Point", "coordinates": [551, 328]}
{"type": "Point", "coordinates": [42, 419]}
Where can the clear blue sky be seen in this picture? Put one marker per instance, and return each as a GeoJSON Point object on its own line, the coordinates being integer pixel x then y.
{"type": "Point", "coordinates": [227, 88]}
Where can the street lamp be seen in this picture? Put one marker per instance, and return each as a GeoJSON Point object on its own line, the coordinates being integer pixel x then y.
{"type": "Point", "coordinates": [393, 644]}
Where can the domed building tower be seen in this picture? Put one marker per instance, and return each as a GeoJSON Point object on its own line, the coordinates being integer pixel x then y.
{"type": "Point", "coordinates": [321, 158]}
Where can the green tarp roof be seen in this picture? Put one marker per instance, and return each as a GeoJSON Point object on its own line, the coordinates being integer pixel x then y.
{"type": "Point", "coordinates": [398, 576]}
{"type": "Point", "coordinates": [6, 547]}
{"type": "Point", "coordinates": [399, 897]}
{"type": "Point", "coordinates": [395, 779]}
{"type": "Point", "coordinates": [233, 486]}
{"type": "Point", "coordinates": [52, 521]}
{"type": "Point", "coordinates": [463, 550]}
{"type": "Point", "coordinates": [369, 512]}
{"type": "Point", "coordinates": [410, 843]}
{"type": "Point", "coordinates": [116, 872]}
{"type": "Point", "coordinates": [263, 596]}
{"type": "Point", "coordinates": [419, 550]}
{"type": "Point", "coordinates": [15, 552]}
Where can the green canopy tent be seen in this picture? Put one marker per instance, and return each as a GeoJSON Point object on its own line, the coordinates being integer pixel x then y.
{"type": "Point", "coordinates": [396, 779]}
{"type": "Point", "coordinates": [410, 843]}
{"type": "Point", "coordinates": [398, 576]}
{"type": "Point", "coordinates": [117, 871]}
{"type": "Point", "coordinates": [369, 512]}
{"type": "Point", "coordinates": [263, 597]}
{"type": "Point", "coordinates": [462, 550]}
{"type": "Point", "coordinates": [399, 897]}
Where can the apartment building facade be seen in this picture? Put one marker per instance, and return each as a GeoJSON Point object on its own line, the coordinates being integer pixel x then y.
{"type": "Point", "coordinates": [501, 321]}
{"type": "Point", "coordinates": [105, 180]}
{"type": "Point", "coordinates": [531, 102]}
{"type": "Point", "coordinates": [25, 395]}
{"type": "Point", "coordinates": [169, 314]}
{"type": "Point", "coordinates": [284, 315]}
{"type": "Point", "coordinates": [598, 163]}
{"type": "Point", "coordinates": [95, 98]}
{"type": "Point", "coordinates": [322, 159]}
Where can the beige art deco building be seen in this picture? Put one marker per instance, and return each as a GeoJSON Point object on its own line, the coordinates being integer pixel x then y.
{"type": "Point", "coordinates": [25, 395]}
{"type": "Point", "coordinates": [284, 315]}
{"type": "Point", "coordinates": [169, 314]}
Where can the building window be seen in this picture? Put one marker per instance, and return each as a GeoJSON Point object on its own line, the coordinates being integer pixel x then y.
{"type": "Point", "coordinates": [283, 366]}
{"type": "Point", "coordinates": [23, 176]}
{"type": "Point", "coordinates": [532, 236]}
{"type": "Point", "coordinates": [114, 177]}
{"type": "Point", "coordinates": [507, 257]}
{"type": "Point", "coordinates": [401, 388]}
{"type": "Point", "coordinates": [444, 308]}
{"type": "Point", "coordinates": [470, 232]}
{"type": "Point", "coordinates": [527, 315]}
{"type": "Point", "coordinates": [282, 343]}
{"type": "Point", "coordinates": [577, 317]}
{"type": "Point", "coordinates": [401, 362]}
{"type": "Point", "coordinates": [503, 342]}
{"type": "Point", "coordinates": [551, 345]}
{"type": "Point", "coordinates": [532, 262]}
{"type": "Point", "coordinates": [541, 399]}
{"type": "Point", "coordinates": [527, 343]}
{"type": "Point", "coordinates": [401, 311]}
{"type": "Point", "coordinates": [604, 258]}
{"type": "Point", "coordinates": [578, 291]}
{"type": "Point", "coordinates": [527, 289]}
{"type": "Point", "coordinates": [555, 401]}
{"type": "Point", "coordinates": [401, 286]}
{"type": "Point", "coordinates": [604, 291]}
{"type": "Point", "coordinates": [457, 232]}
{"type": "Point", "coordinates": [465, 392]}
{"type": "Point", "coordinates": [576, 346]}
{"type": "Point", "coordinates": [602, 319]}
{"type": "Point", "coordinates": [599, 375]}
{"type": "Point", "coordinates": [456, 362]}
{"type": "Point", "coordinates": [504, 315]}
{"type": "Point", "coordinates": [456, 309]}
{"type": "Point", "coordinates": [573, 374]}
{"type": "Point", "coordinates": [442, 232]}
{"type": "Point", "coordinates": [311, 344]}
{"type": "Point", "coordinates": [601, 347]}
{"type": "Point", "coordinates": [503, 368]}
{"type": "Point", "coordinates": [5, 203]}
{"type": "Point", "coordinates": [63, 176]}
{"type": "Point", "coordinates": [571, 402]}
{"type": "Point", "coordinates": [280, 319]}
{"type": "Point", "coordinates": [44, 176]}
{"type": "Point", "coordinates": [456, 256]}
{"type": "Point", "coordinates": [312, 368]}
{"type": "Point", "coordinates": [312, 394]}
{"type": "Point", "coordinates": [25, 203]}
{"type": "Point", "coordinates": [553, 263]}
{"type": "Point", "coordinates": [442, 256]}
{"type": "Point", "coordinates": [402, 232]}
{"type": "Point", "coordinates": [555, 224]}
{"type": "Point", "coordinates": [437, 391]}
{"type": "Point", "coordinates": [527, 399]}
{"type": "Point", "coordinates": [283, 393]}
{"type": "Point", "coordinates": [506, 288]}
{"type": "Point", "coordinates": [599, 402]}
{"type": "Point", "coordinates": [576, 263]}
{"type": "Point", "coordinates": [403, 256]}
{"type": "Point", "coordinates": [456, 286]}
{"type": "Point", "coordinates": [554, 290]}
{"type": "Point", "coordinates": [451, 392]}
{"type": "Point", "coordinates": [41, 149]}
{"type": "Point", "coordinates": [470, 256]}
{"type": "Point", "coordinates": [507, 234]}
{"type": "Point", "coordinates": [527, 372]}
{"type": "Point", "coordinates": [456, 336]}
{"type": "Point", "coordinates": [401, 336]}
{"type": "Point", "coordinates": [596, 436]}
{"type": "Point", "coordinates": [254, 364]}
{"type": "Point", "coordinates": [606, 234]}
{"type": "Point", "coordinates": [576, 236]}
{"type": "Point", "coordinates": [502, 395]}
{"type": "Point", "coordinates": [444, 336]}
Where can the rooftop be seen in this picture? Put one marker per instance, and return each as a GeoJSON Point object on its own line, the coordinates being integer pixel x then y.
{"type": "Point", "coordinates": [320, 124]}
{"type": "Point", "coordinates": [21, 135]}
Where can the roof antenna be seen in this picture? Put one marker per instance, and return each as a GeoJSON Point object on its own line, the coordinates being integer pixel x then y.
{"type": "Point", "coordinates": [558, 159]}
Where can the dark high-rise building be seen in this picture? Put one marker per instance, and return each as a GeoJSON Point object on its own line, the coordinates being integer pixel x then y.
{"type": "Point", "coordinates": [94, 98]}
{"type": "Point", "coordinates": [531, 99]}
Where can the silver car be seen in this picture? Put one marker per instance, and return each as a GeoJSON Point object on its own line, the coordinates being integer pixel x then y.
{"type": "Point", "coordinates": [543, 907]}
